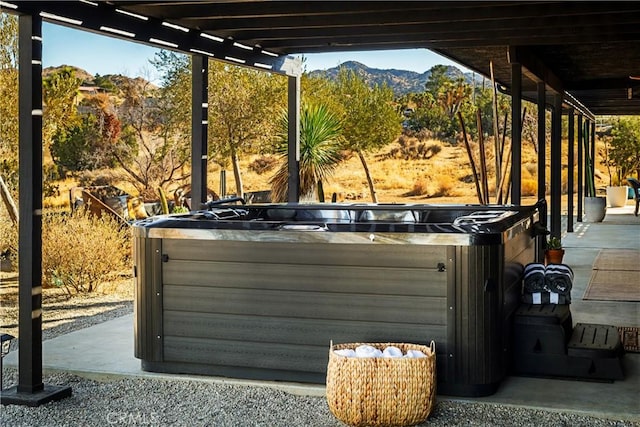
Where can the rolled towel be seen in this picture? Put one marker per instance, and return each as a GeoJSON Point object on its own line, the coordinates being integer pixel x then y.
{"type": "Point", "coordinates": [414, 354]}
{"type": "Point", "coordinates": [392, 351]}
{"type": "Point", "coordinates": [367, 351]}
{"type": "Point", "coordinates": [559, 278]}
{"type": "Point", "coordinates": [534, 278]}
{"type": "Point", "coordinates": [346, 352]}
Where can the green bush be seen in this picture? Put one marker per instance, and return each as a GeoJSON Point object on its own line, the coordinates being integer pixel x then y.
{"type": "Point", "coordinates": [81, 251]}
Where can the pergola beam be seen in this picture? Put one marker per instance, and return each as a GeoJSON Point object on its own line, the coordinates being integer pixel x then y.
{"type": "Point", "coordinates": [104, 18]}
{"type": "Point", "coordinates": [534, 68]}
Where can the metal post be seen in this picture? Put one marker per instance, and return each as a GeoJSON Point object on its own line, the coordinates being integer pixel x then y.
{"type": "Point", "coordinates": [570, 161]}
{"type": "Point", "coordinates": [294, 139]}
{"type": "Point", "coordinates": [556, 165]}
{"type": "Point", "coordinates": [30, 390]}
{"type": "Point", "coordinates": [199, 129]}
{"type": "Point", "coordinates": [542, 103]}
{"type": "Point", "coordinates": [592, 135]}
{"type": "Point", "coordinates": [580, 170]}
{"type": "Point", "coordinates": [516, 133]}
{"type": "Point", "coordinates": [592, 153]}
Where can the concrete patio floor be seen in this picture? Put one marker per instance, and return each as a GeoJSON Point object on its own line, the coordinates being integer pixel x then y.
{"type": "Point", "coordinates": [105, 351]}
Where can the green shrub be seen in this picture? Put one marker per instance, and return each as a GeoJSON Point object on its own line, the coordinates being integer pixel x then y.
{"type": "Point", "coordinates": [81, 251]}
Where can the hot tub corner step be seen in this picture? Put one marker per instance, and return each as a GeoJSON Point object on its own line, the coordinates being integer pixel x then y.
{"type": "Point", "coordinates": [601, 344]}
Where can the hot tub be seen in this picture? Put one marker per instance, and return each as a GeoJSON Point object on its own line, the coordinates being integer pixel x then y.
{"type": "Point", "coordinates": [259, 291]}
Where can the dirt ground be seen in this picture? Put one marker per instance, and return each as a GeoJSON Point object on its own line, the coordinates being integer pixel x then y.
{"type": "Point", "coordinates": [62, 314]}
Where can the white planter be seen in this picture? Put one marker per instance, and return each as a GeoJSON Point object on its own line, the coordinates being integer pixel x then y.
{"type": "Point", "coordinates": [616, 196]}
{"type": "Point", "coordinates": [595, 208]}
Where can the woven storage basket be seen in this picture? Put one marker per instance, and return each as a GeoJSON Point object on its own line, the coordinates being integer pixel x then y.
{"type": "Point", "coordinates": [381, 391]}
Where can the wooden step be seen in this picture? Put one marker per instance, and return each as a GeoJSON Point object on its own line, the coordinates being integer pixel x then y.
{"type": "Point", "coordinates": [595, 341]}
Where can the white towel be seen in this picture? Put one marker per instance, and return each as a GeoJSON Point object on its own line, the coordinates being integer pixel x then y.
{"type": "Point", "coordinates": [392, 351]}
{"type": "Point", "coordinates": [367, 351]}
{"type": "Point", "coordinates": [414, 354]}
{"type": "Point", "coordinates": [346, 352]}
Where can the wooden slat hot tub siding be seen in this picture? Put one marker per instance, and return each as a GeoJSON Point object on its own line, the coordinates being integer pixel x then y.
{"type": "Point", "coordinates": [277, 305]}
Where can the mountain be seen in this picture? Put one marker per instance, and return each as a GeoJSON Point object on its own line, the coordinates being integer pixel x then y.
{"type": "Point", "coordinates": [400, 81]}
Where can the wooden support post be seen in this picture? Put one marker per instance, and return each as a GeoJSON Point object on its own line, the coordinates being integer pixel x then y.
{"type": "Point", "coordinates": [294, 139]}
{"type": "Point", "coordinates": [570, 162]}
{"type": "Point", "coordinates": [199, 129]}
{"type": "Point", "coordinates": [556, 166]}
{"type": "Point", "coordinates": [30, 390]}
{"type": "Point", "coordinates": [580, 170]}
{"type": "Point", "coordinates": [516, 133]}
{"type": "Point", "coordinates": [592, 135]}
{"type": "Point", "coordinates": [496, 141]}
{"type": "Point", "coordinates": [542, 146]}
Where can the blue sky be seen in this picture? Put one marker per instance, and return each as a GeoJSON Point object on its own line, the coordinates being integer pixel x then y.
{"type": "Point", "coordinates": [106, 55]}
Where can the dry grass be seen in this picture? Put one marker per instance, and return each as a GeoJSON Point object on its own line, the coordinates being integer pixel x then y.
{"type": "Point", "coordinates": [444, 171]}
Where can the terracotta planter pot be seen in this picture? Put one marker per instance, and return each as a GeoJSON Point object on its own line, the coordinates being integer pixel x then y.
{"type": "Point", "coordinates": [553, 256]}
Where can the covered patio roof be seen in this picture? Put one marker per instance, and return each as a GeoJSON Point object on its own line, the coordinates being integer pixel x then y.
{"type": "Point", "coordinates": [588, 49]}
{"type": "Point", "coordinates": [581, 55]}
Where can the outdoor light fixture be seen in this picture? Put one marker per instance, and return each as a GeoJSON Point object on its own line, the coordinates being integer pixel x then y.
{"type": "Point", "coordinates": [9, 5]}
{"type": "Point", "coordinates": [210, 37]}
{"type": "Point", "coordinates": [175, 27]}
{"type": "Point", "coordinates": [203, 52]}
{"type": "Point", "coordinates": [238, 60]}
{"type": "Point", "coordinates": [54, 17]}
{"type": "Point", "coordinates": [133, 15]}
{"type": "Point", "coordinates": [117, 31]}
{"type": "Point", "coordinates": [242, 46]}
{"type": "Point", "coordinates": [163, 42]}
{"type": "Point", "coordinates": [261, 65]}
{"type": "Point", "coordinates": [5, 339]}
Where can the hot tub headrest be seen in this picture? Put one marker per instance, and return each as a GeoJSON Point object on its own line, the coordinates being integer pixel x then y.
{"type": "Point", "coordinates": [404, 216]}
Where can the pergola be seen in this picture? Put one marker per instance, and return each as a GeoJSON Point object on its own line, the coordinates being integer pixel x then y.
{"type": "Point", "coordinates": [573, 58]}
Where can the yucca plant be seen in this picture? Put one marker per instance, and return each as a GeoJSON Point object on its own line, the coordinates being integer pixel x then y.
{"type": "Point", "coordinates": [320, 143]}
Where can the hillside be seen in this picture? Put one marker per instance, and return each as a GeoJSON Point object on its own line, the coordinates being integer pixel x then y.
{"type": "Point", "coordinates": [107, 81]}
{"type": "Point", "coordinates": [400, 81]}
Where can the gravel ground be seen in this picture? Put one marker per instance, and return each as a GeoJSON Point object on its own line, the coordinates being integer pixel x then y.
{"type": "Point", "coordinates": [160, 402]}
{"type": "Point", "coordinates": [156, 402]}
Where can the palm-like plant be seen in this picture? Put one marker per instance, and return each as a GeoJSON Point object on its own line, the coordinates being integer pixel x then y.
{"type": "Point", "coordinates": [320, 143]}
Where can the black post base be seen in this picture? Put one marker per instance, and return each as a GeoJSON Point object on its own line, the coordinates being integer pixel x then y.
{"type": "Point", "coordinates": [12, 396]}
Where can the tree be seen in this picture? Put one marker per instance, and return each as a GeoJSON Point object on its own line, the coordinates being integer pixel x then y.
{"type": "Point", "coordinates": [59, 93]}
{"type": "Point", "coordinates": [320, 144]}
{"type": "Point", "coordinates": [370, 118]}
{"type": "Point", "coordinates": [243, 106]}
{"type": "Point", "coordinates": [71, 148]}
{"type": "Point", "coordinates": [9, 103]}
{"type": "Point", "coordinates": [624, 152]}
{"type": "Point", "coordinates": [153, 145]}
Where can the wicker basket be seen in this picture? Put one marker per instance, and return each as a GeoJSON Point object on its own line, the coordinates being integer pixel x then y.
{"type": "Point", "coordinates": [381, 391]}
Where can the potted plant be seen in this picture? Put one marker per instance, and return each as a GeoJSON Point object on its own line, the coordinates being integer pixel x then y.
{"type": "Point", "coordinates": [615, 162]}
{"type": "Point", "coordinates": [554, 252]}
{"type": "Point", "coordinates": [595, 207]}
{"type": "Point", "coordinates": [623, 154]}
